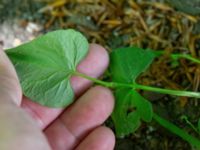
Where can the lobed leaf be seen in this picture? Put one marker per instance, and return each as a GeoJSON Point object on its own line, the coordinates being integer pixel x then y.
{"type": "Point", "coordinates": [130, 108]}
{"type": "Point", "coordinates": [144, 107]}
{"type": "Point", "coordinates": [45, 65]}
{"type": "Point", "coordinates": [124, 122]}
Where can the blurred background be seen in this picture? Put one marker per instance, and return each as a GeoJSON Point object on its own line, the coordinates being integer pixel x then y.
{"type": "Point", "coordinates": [168, 25]}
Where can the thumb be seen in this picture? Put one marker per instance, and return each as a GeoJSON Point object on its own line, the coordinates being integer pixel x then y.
{"type": "Point", "coordinates": [17, 130]}
{"type": "Point", "coordinates": [9, 83]}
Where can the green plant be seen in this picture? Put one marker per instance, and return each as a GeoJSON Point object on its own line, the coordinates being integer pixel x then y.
{"type": "Point", "coordinates": [46, 64]}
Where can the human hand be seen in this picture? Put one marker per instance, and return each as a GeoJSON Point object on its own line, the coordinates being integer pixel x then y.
{"type": "Point", "coordinates": [77, 127]}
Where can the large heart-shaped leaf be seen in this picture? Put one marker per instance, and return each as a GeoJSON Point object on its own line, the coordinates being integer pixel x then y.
{"type": "Point", "coordinates": [46, 64]}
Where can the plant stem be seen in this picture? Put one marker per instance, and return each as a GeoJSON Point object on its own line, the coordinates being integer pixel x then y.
{"type": "Point", "coordinates": [178, 56]}
{"type": "Point", "coordinates": [168, 91]}
{"type": "Point", "coordinates": [103, 83]}
{"type": "Point", "coordinates": [186, 56]}
{"type": "Point", "coordinates": [106, 84]}
{"type": "Point", "coordinates": [139, 86]}
{"type": "Point", "coordinates": [176, 130]}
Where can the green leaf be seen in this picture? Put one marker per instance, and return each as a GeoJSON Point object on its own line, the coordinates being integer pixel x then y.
{"type": "Point", "coordinates": [127, 64]}
{"type": "Point", "coordinates": [130, 109]}
{"type": "Point", "coordinates": [144, 107]}
{"type": "Point", "coordinates": [46, 64]}
{"type": "Point", "coordinates": [125, 123]}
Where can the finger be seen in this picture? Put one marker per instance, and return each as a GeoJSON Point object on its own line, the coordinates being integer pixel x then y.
{"type": "Point", "coordinates": [90, 111]}
{"type": "Point", "coordinates": [93, 65]}
{"type": "Point", "coordinates": [9, 86]}
{"type": "Point", "coordinates": [102, 138]}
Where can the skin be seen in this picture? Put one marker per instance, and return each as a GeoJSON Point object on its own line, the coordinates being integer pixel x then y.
{"type": "Point", "coordinates": [27, 125]}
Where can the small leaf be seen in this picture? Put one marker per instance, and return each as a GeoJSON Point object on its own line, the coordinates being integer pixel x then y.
{"type": "Point", "coordinates": [45, 66]}
{"type": "Point", "coordinates": [124, 123]}
{"type": "Point", "coordinates": [127, 63]}
{"type": "Point", "coordinates": [144, 107]}
{"type": "Point", "coordinates": [130, 109]}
